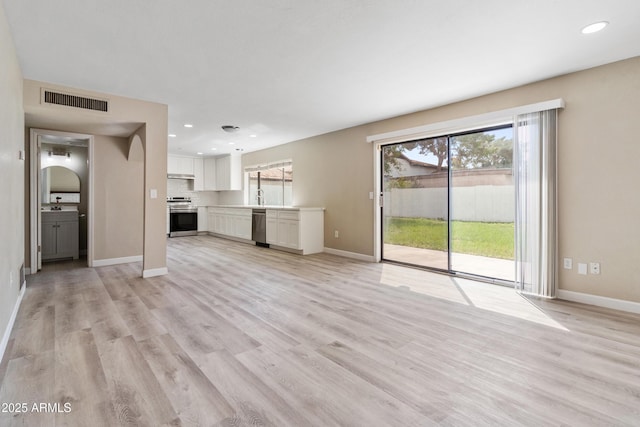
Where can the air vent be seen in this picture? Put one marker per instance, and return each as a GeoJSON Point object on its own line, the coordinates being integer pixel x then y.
{"type": "Point", "coordinates": [65, 99]}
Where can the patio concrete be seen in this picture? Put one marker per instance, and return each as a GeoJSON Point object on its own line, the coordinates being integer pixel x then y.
{"type": "Point", "coordinates": [464, 263]}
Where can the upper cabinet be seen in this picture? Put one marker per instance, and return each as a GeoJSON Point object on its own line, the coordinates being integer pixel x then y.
{"type": "Point", "coordinates": [180, 165]}
{"type": "Point", "coordinates": [198, 173]}
{"type": "Point", "coordinates": [210, 174]}
{"type": "Point", "coordinates": [209, 170]}
{"type": "Point", "coordinates": [229, 172]}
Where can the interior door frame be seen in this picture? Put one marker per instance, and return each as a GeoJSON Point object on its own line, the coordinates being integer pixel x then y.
{"type": "Point", "coordinates": [35, 220]}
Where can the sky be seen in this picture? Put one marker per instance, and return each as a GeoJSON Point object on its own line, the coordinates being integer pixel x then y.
{"type": "Point", "coordinates": [430, 158]}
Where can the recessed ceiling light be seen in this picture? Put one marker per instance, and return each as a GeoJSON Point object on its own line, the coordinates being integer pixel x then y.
{"type": "Point", "coordinates": [595, 27]}
{"type": "Point", "coordinates": [214, 149]}
{"type": "Point", "coordinates": [199, 153]}
{"type": "Point", "coordinates": [172, 135]}
{"type": "Point", "coordinates": [252, 136]}
{"type": "Point", "coordinates": [232, 143]}
{"type": "Point", "coordinates": [188, 125]}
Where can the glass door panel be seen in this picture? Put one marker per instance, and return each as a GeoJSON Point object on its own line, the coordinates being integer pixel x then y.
{"type": "Point", "coordinates": [415, 203]}
{"type": "Point", "coordinates": [483, 203]}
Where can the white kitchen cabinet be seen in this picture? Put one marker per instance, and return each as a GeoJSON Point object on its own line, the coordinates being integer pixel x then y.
{"type": "Point", "coordinates": [172, 164]}
{"type": "Point", "coordinates": [203, 219]}
{"type": "Point", "coordinates": [180, 165]}
{"type": "Point", "coordinates": [288, 233]}
{"type": "Point", "coordinates": [60, 235]}
{"type": "Point", "coordinates": [231, 222]}
{"type": "Point", "coordinates": [242, 223]}
{"type": "Point", "coordinates": [215, 223]}
{"type": "Point", "coordinates": [211, 220]}
{"type": "Point", "coordinates": [209, 174]}
{"type": "Point", "coordinates": [198, 173]}
{"type": "Point", "coordinates": [272, 227]}
{"type": "Point", "coordinates": [228, 172]}
{"type": "Point", "coordinates": [301, 230]}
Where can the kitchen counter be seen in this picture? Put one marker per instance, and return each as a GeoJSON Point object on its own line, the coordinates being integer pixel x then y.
{"type": "Point", "coordinates": [292, 228]}
{"type": "Point", "coordinates": [271, 207]}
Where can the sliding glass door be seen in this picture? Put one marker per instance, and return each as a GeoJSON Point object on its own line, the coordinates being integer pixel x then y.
{"type": "Point", "coordinates": [483, 204]}
{"type": "Point", "coordinates": [415, 192]}
{"type": "Point", "coordinates": [449, 203]}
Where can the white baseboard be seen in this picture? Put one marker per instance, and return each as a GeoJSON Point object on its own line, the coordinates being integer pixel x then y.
{"type": "Point", "coordinates": [114, 261]}
{"type": "Point", "coordinates": [616, 304]}
{"type": "Point", "coordinates": [352, 255]}
{"type": "Point", "coordinates": [153, 272]}
{"type": "Point", "coordinates": [12, 320]}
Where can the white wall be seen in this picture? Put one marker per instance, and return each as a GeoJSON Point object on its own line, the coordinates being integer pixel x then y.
{"type": "Point", "coordinates": [12, 171]}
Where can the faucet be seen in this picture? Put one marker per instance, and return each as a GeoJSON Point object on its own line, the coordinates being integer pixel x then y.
{"type": "Point", "coordinates": [260, 196]}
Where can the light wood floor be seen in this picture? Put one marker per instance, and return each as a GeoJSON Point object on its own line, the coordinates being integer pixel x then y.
{"type": "Point", "coordinates": [239, 335]}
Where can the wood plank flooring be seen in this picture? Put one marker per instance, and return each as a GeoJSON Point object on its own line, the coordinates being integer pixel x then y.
{"type": "Point", "coordinates": [239, 335]}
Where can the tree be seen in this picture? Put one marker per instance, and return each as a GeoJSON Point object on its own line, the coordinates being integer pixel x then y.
{"type": "Point", "coordinates": [435, 146]}
{"type": "Point", "coordinates": [391, 154]}
{"type": "Point", "coordinates": [481, 150]}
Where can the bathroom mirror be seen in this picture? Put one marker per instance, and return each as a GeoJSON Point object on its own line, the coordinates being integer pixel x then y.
{"type": "Point", "coordinates": [60, 185]}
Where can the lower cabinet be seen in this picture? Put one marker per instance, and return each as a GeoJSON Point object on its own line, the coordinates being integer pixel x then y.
{"type": "Point", "coordinates": [301, 230]}
{"type": "Point", "coordinates": [203, 219]}
{"type": "Point", "coordinates": [60, 235]}
{"type": "Point", "coordinates": [233, 222]}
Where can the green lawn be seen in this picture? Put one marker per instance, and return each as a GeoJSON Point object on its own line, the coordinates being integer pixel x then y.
{"type": "Point", "coordinates": [490, 239]}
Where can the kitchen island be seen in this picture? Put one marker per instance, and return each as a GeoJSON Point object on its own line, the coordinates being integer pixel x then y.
{"type": "Point", "coordinates": [294, 229]}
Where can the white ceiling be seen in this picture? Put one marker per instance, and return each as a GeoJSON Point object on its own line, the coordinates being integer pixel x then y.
{"type": "Point", "coordinates": [289, 69]}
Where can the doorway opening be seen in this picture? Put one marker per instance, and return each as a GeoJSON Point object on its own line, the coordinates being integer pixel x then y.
{"type": "Point", "coordinates": [449, 203]}
{"type": "Point", "coordinates": [61, 200]}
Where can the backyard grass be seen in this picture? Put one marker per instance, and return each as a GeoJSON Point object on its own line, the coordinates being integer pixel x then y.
{"type": "Point", "coordinates": [490, 239]}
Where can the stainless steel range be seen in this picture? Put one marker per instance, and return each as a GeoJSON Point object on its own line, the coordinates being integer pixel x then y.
{"type": "Point", "coordinates": [183, 217]}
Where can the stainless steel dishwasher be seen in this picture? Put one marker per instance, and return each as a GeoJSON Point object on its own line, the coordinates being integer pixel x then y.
{"type": "Point", "coordinates": [259, 227]}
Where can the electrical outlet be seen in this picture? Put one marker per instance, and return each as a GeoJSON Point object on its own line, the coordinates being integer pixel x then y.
{"type": "Point", "coordinates": [582, 268]}
{"type": "Point", "coordinates": [594, 268]}
{"type": "Point", "coordinates": [336, 234]}
{"type": "Point", "coordinates": [568, 263]}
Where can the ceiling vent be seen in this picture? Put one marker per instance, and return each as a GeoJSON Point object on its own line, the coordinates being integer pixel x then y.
{"type": "Point", "coordinates": [58, 98]}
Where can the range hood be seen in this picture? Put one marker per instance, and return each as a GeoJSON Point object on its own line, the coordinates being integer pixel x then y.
{"type": "Point", "coordinates": [180, 176]}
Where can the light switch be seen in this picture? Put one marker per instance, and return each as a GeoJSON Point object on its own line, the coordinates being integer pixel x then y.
{"type": "Point", "coordinates": [582, 268]}
{"type": "Point", "coordinates": [153, 193]}
{"type": "Point", "coordinates": [568, 263]}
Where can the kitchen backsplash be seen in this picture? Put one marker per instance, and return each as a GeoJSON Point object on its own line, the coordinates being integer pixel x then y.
{"type": "Point", "coordinates": [184, 188]}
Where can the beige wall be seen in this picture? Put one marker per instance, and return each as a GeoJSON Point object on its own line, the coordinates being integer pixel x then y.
{"type": "Point", "coordinates": [598, 172]}
{"type": "Point", "coordinates": [11, 175]}
{"type": "Point", "coordinates": [118, 197]}
{"type": "Point", "coordinates": [126, 116]}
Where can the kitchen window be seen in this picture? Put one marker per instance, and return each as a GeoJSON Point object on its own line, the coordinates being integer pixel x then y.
{"type": "Point", "coordinates": [270, 184]}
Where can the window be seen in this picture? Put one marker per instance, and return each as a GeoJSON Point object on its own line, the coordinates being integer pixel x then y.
{"type": "Point", "coordinates": [275, 180]}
